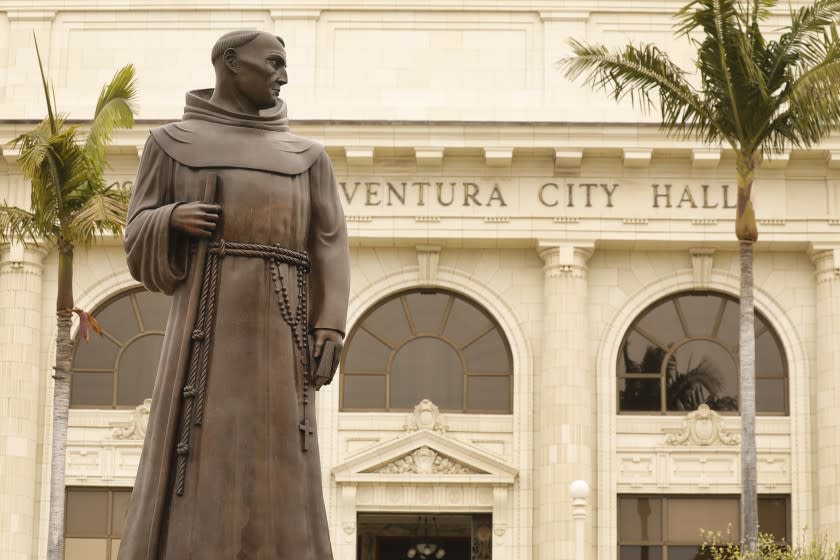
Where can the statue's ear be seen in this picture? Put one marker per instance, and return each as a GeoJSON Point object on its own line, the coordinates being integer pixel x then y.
{"type": "Point", "coordinates": [231, 59]}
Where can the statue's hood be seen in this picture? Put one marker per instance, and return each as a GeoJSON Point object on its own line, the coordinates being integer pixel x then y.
{"type": "Point", "coordinates": [210, 136]}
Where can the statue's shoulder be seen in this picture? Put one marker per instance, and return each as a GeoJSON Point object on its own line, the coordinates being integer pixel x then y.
{"type": "Point", "coordinates": [200, 143]}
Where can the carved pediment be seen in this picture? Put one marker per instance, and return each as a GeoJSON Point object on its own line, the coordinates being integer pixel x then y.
{"type": "Point", "coordinates": [704, 426]}
{"type": "Point", "coordinates": [136, 427]}
{"type": "Point", "coordinates": [425, 460]}
{"type": "Point", "coordinates": [424, 455]}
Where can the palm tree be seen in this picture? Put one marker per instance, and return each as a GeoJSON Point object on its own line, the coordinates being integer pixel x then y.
{"type": "Point", "coordinates": [755, 95]}
{"type": "Point", "coordinates": [70, 206]}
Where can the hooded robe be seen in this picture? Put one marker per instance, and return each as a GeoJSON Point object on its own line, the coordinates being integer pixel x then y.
{"type": "Point", "coordinates": [251, 492]}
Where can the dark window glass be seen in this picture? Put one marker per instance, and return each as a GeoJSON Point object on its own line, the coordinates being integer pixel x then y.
{"type": "Point", "coordinates": [389, 322]}
{"type": "Point", "coordinates": [100, 352]}
{"type": "Point", "coordinates": [773, 518]}
{"type": "Point", "coordinates": [688, 344]}
{"type": "Point", "coordinates": [93, 522]}
{"type": "Point", "coordinates": [768, 356]}
{"type": "Point", "coordinates": [689, 518]}
{"type": "Point", "coordinates": [639, 394]}
{"type": "Point", "coordinates": [427, 311]}
{"type": "Point", "coordinates": [427, 368]}
{"type": "Point", "coordinates": [364, 392]}
{"type": "Point", "coordinates": [675, 527]}
{"type": "Point", "coordinates": [640, 553]}
{"type": "Point", "coordinates": [367, 354]}
{"type": "Point", "coordinates": [688, 553]}
{"type": "Point", "coordinates": [700, 372]}
{"type": "Point", "coordinates": [488, 392]}
{"type": "Point", "coordinates": [87, 512]}
{"type": "Point", "coordinates": [119, 318]}
{"type": "Point", "coordinates": [154, 310]}
{"type": "Point", "coordinates": [117, 369]}
{"type": "Point", "coordinates": [640, 519]}
{"type": "Point", "coordinates": [488, 354]}
{"type": "Point", "coordinates": [429, 344]}
{"type": "Point", "coordinates": [465, 323]}
{"type": "Point", "coordinates": [91, 389]}
{"type": "Point", "coordinates": [138, 358]}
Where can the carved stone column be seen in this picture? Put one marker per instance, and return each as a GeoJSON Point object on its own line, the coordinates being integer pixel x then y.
{"type": "Point", "coordinates": [21, 381]}
{"type": "Point", "coordinates": [564, 399]}
{"type": "Point", "coordinates": [827, 421]}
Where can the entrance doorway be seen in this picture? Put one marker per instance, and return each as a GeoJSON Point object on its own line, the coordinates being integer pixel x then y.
{"type": "Point", "coordinates": [424, 536]}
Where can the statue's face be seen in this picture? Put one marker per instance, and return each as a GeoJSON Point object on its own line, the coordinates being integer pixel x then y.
{"type": "Point", "coordinates": [261, 70]}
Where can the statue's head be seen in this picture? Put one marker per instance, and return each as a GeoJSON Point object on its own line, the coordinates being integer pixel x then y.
{"type": "Point", "coordinates": [251, 65]}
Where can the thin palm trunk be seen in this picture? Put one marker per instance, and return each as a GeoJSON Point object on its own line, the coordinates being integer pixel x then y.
{"type": "Point", "coordinates": [747, 234]}
{"type": "Point", "coordinates": [749, 479]}
{"type": "Point", "coordinates": [61, 401]}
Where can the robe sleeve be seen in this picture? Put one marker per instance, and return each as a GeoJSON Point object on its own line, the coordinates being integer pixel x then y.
{"type": "Point", "coordinates": [156, 256]}
{"type": "Point", "coordinates": [329, 285]}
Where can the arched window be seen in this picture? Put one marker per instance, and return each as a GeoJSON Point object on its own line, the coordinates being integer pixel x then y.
{"type": "Point", "coordinates": [117, 369]}
{"type": "Point", "coordinates": [682, 351]}
{"type": "Point", "coordinates": [427, 344]}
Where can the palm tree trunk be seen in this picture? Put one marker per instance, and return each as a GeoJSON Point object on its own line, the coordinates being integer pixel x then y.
{"type": "Point", "coordinates": [749, 479]}
{"type": "Point", "coordinates": [61, 400]}
{"type": "Point", "coordinates": [746, 230]}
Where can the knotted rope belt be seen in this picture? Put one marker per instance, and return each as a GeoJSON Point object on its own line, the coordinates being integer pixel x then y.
{"type": "Point", "coordinates": [195, 385]}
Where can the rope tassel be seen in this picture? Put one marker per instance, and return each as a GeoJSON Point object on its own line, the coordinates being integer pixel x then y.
{"type": "Point", "coordinates": [194, 391]}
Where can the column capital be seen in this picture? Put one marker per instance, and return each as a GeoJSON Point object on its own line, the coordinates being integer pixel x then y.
{"type": "Point", "coordinates": [826, 259]}
{"type": "Point", "coordinates": [565, 257]}
{"type": "Point", "coordinates": [20, 256]}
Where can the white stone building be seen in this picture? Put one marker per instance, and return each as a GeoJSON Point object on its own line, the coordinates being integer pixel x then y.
{"type": "Point", "coordinates": [542, 264]}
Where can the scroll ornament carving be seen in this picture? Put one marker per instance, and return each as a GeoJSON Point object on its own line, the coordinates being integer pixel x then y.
{"type": "Point", "coordinates": [704, 426]}
{"type": "Point", "coordinates": [136, 427]}
{"type": "Point", "coordinates": [425, 460]}
{"type": "Point", "coordinates": [426, 416]}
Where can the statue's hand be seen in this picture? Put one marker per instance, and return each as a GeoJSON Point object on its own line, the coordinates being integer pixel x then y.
{"type": "Point", "coordinates": [319, 338]}
{"type": "Point", "coordinates": [197, 219]}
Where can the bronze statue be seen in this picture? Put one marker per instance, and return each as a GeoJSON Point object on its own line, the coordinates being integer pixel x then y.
{"type": "Point", "coordinates": [240, 221]}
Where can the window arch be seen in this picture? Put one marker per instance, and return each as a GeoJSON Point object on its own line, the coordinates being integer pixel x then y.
{"type": "Point", "coordinates": [682, 351]}
{"type": "Point", "coordinates": [117, 369]}
{"type": "Point", "coordinates": [427, 344]}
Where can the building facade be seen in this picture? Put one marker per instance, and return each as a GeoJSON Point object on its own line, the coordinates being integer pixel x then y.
{"type": "Point", "coordinates": [544, 286]}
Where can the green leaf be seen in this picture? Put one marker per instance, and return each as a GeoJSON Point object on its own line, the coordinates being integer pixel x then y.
{"type": "Point", "coordinates": [646, 75]}
{"type": "Point", "coordinates": [115, 108]}
{"type": "Point", "coordinates": [17, 224]}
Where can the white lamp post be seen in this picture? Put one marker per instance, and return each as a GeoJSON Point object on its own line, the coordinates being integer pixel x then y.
{"type": "Point", "coordinates": [579, 490]}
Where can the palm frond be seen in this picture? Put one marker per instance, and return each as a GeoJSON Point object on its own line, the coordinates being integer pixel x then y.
{"type": "Point", "coordinates": [114, 109]}
{"type": "Point", "coordinates": [17, 224]}
{"type": "Point", "coordinates": [50, 111]}
{"type": "Point", "coordinates": [103, 212]}
{"type": "Point", "coordinates": [806, 25]}
{"type": "Point", "coordinates": [814, 102]}
{"type": "Point", "coordinates": [723, 26]}
{"type": "Point", "coordinates": [639, 73]}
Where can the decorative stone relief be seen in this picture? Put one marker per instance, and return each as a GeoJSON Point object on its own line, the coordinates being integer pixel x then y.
{"type": "Point", "coordinates": [425, 460]}
{"type": "Point", "coordinates": [136, 427]}
{"type": "Point", "coordinates": [426, 416]}
{"type": "Point", "coordinates": [702, 261]}
{"type": "Point", "coordinates": [428, 257]}
{"type": "Point", "coordinates": [701, 427]}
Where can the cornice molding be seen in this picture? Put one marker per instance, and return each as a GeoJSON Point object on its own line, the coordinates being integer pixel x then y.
{"type": "Point", "coordinates": [548, 10]}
